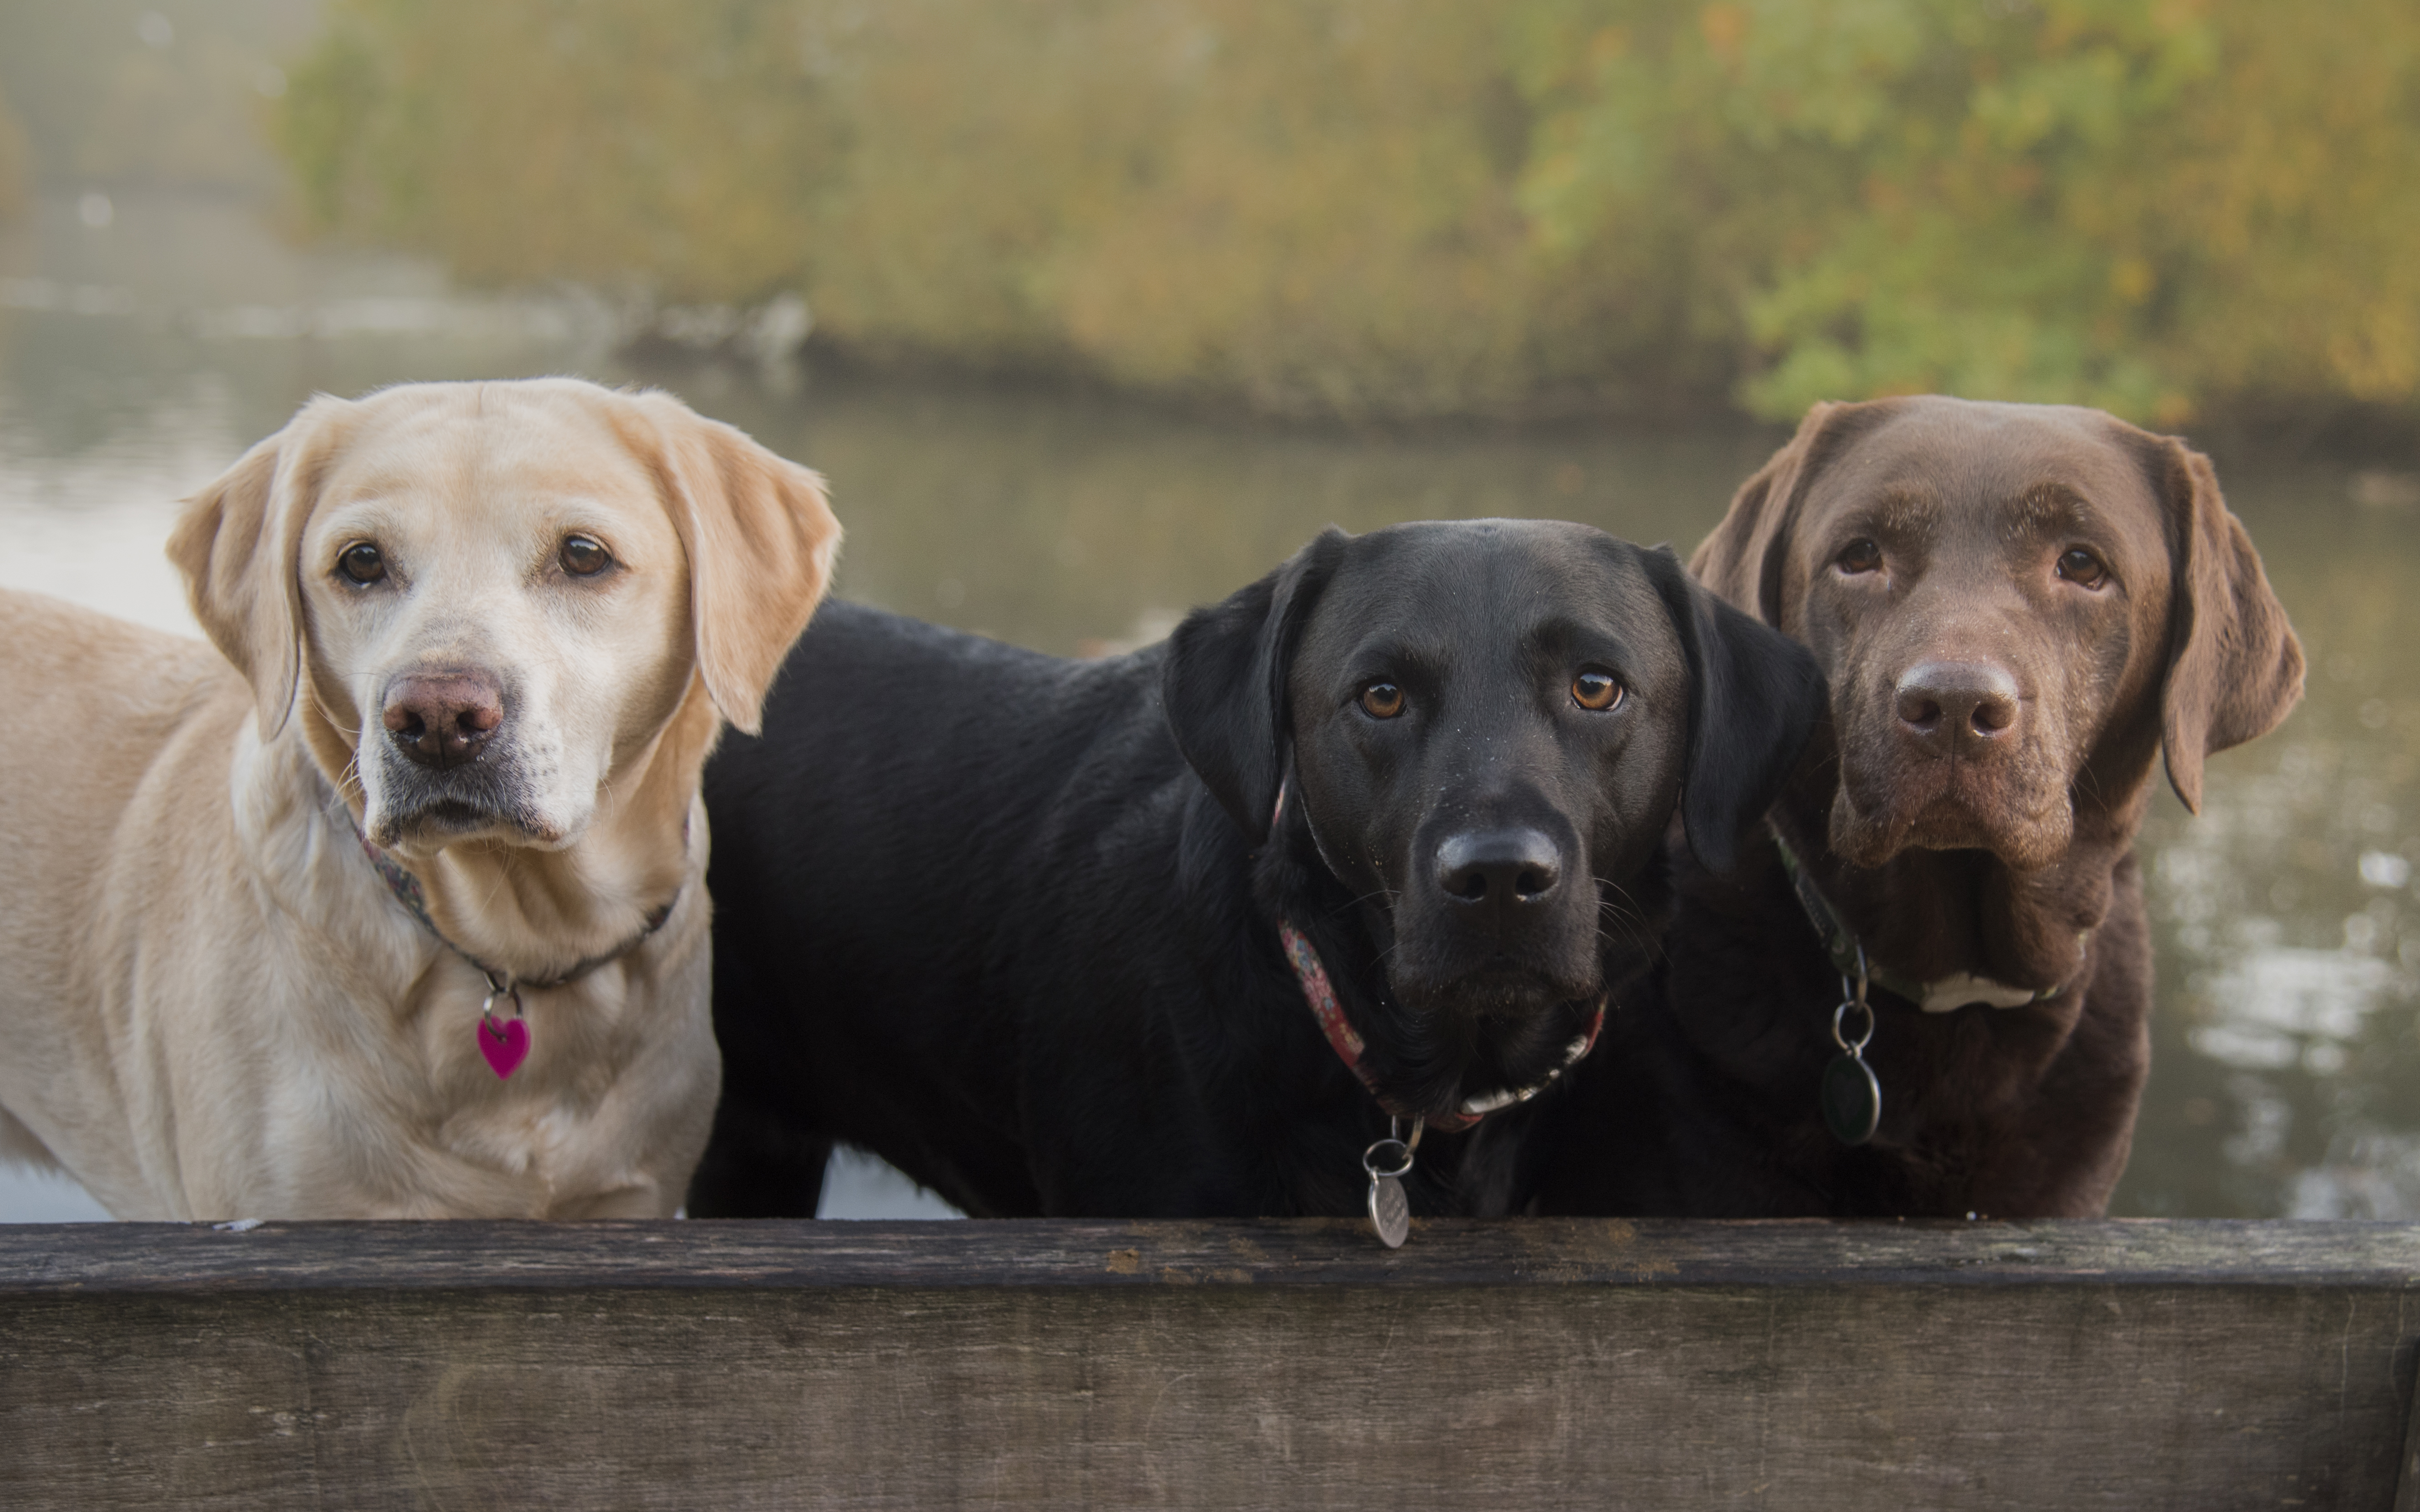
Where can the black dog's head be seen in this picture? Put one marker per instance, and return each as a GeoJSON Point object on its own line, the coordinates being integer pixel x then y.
{"type": "Point", "coordinates": [1489, 725]}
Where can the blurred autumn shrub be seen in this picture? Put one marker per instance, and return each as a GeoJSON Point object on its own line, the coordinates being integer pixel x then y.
{"type": "Point", "coordinates": [1408, 207]}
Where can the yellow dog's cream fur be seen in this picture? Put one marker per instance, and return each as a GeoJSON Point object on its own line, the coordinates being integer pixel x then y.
{"type": "Point", "coordinates": [211, 1004]}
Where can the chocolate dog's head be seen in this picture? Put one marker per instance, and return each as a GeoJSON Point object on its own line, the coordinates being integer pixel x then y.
{"type": "Point", "coordinates": [1489, 726]}
{"type": "Point", "coordinates": [2013, 603]}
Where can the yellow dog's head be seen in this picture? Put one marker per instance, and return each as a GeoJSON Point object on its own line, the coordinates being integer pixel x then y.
{"type": "Point", "coordinates": [481, 601]}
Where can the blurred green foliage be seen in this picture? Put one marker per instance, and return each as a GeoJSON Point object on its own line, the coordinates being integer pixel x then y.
{"type": "Point", "coordinates": [1408, 206]}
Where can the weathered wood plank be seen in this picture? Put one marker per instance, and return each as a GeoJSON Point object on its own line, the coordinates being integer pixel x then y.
{"type": "Point", "coordinates": [2407, 1482]}
{"type": "Point", "coordinates": [189, 1259]}
{"type": "Point", "coordinates": [1797, 1366]}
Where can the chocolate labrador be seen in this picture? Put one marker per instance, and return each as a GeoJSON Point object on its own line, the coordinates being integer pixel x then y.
{"type": "Point", "coordinates": [2020, 608]}
{"type": "Point", "coordinates": [1179, 933]}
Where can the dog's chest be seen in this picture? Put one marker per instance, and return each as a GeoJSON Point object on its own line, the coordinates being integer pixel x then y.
{"type": "Point", "coordinates": [570, 1120]}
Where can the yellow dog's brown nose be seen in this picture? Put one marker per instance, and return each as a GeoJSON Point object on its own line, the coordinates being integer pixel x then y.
{"type": "Point", "coordinates": [442, 720]}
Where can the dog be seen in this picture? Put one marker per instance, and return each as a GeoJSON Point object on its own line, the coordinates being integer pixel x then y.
{"type": "Point", "coordinates": [2020, 610]}
{"type": "Point", "coordinates": [1359, 852]}
{"type": "Point", "coordinates": [392, 904]}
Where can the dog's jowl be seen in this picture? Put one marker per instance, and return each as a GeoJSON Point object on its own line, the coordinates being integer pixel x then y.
{"type": "Point", "coordinates": [393, 904]}
{"type": "Point", "coordinates": [1369, 847]}
{"type": "Point", "coordinates": [2024, 611]}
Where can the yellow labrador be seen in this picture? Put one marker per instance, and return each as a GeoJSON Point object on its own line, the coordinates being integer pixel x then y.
{"type": "Point", "coordinates": [403, 914]}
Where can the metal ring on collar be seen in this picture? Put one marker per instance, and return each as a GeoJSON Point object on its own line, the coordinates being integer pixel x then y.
{"type": "Point", "coordinates": [1839, 1017]}
{"type": "Point", "coordinates": [1370, 1157]}
{"type": "Point", "coordinates": [495, 990]}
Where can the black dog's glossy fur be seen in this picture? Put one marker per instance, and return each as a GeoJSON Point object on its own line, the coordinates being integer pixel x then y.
{"type": "Point", "coordinates": [1009, 921]}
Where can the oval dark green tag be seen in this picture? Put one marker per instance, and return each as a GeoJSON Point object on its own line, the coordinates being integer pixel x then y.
{"type": "Point", "coordinates": [1853, 1100]}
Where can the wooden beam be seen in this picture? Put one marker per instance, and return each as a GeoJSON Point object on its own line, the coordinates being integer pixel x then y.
{"type": "Point", "coordinates": [1803, 1366]}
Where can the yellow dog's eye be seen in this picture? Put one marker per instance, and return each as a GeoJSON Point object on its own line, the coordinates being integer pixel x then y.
{"type": "Point", "coordinates": [1382, 700]}
{"type": "Point", "coordinates": [582, 556]}
{"type": "Point", "coordinates": [362, 564]}
{"type": "Point", "coordinates": [1594, 689]}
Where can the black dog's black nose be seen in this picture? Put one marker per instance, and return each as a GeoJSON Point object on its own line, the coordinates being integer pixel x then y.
{"type": "Point", "coordinates": [1501, 867]}
{"type": "Point", "coordinates": [1950, 700]}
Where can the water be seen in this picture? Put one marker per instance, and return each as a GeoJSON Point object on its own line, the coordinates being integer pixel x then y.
{"type": "Point", "coordinates": [138, 357]}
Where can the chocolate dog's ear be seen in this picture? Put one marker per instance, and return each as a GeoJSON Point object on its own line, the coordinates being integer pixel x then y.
{"type": "Point", "coordinates": [1754, 696]}
{"type": "Point", "coordinates": [239, 545]}
{"type": "Point", "coordinates": [1225, 685]}
{"type": "Point", "coordinates": [1746, 557]}
{"type": "Point", "coordinates": [2235, 668]}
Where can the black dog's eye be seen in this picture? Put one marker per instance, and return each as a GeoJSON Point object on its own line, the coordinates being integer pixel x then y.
{"type": "Point", "coordinates": [1382, 700]}
{"type": "Point", "coordinates": [2082, 568]}
{"type": "Point", "coordinates": [582, 556]}
{"type": "Point", "coordinates": [362, 564]}
{"type": "Point", "coordinates": [1596, 690]}
{"type": "Point", "coordinates": [1860, 555]}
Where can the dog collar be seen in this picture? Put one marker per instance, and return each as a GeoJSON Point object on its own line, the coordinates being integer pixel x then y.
{"type": "Point", "coordinates": [504, 1044]}
{"type": "Point", "coordinates": [1943, 996]}
{"type": "Point", "coordinates": [408, 892]}
{"type": "Point", "coordinates": [1347, 1043]}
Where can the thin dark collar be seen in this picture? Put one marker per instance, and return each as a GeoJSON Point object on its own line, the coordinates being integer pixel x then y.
{"type": "Point", "coordinates": [408, 892]}
{"type": "Point", "coordinates": [1840, 943]}
{"type": "Point", "coordinates": [1347, 1043]}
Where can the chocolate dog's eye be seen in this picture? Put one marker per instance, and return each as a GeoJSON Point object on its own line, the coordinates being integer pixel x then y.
{"type": "Point", "coordinates": [1596, 690]}
{"type": "Point", "coordinates": [2082, 568]}
{"type": "Point", "coordinates": [584, 558]}
{"type": "Point", "coordinates": [1382, 700]}
{"type": "Point", "coordinates": [1861, 555]}
{"type": "Point", "coordinates": [362, 564]}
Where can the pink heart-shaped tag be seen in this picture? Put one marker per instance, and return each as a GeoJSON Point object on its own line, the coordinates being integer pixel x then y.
{"type": "Point", "coordinates": [505, 1044]}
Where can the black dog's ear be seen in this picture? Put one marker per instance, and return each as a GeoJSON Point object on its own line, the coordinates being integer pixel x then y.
{"type": "Point", "coordinates": [1754, 696]}
{"type": "Point", "coordinates": [1225, 685]}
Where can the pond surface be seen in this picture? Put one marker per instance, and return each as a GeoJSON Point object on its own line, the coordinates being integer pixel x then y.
{"type": "Point", "coordinates": [140, 356]}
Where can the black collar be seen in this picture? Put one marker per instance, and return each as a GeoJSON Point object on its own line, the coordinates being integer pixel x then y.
{"type": "Point", "coordinates": [1840, 943]}
{"type": "Point", "coordinates": [408, 892]}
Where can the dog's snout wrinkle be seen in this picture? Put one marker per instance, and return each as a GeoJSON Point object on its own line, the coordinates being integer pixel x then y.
{"type": "Point", "coordinates": [1951, 703]}
{"type": "Point", "coordinates": [442, 720]}
{"type": "Point", "coordinates": [1503, 868]}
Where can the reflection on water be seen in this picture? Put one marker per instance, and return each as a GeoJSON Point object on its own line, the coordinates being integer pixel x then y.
{"type": "Point", "coordinates": [2287, 1069]}
{"type": "Point", "coordinates": [138, 359]}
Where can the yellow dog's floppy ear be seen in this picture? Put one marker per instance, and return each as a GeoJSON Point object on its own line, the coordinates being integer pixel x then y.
{"type": "Point", "coordinates": [760, 539]}
{"type": "Point", "coordinates": [238, 543]}
{"type": "Point", "coordinates": [2235, 667]}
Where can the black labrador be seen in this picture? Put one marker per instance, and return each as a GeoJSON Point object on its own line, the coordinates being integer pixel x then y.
{"type": "Point", "coordinates": [1041, 933]}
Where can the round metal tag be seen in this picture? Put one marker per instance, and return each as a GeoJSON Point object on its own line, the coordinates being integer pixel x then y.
{"type": "Point", "coordinates": [1390, 1212]}
{"type": "Point", "coordinates": [1853, 1100]}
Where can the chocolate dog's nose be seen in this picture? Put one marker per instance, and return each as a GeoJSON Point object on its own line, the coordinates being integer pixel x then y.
{"type": "Point", "coordinates": [1953, 700]}
{"type": "Point", "coordinates": [1499, 867]}
{"type": "Point", "coordinates": [442, 720]}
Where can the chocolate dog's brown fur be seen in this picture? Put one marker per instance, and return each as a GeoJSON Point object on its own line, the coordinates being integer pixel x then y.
{"type": "Point", "coordinates": [2018, 608]}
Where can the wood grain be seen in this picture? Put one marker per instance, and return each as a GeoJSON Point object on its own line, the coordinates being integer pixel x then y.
{"type": "Point", "coordinates": [1280, 1364]}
